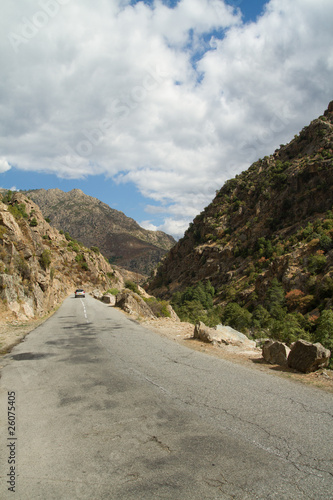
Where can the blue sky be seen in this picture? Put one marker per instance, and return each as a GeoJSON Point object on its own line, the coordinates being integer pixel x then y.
{"type": "Point", "coordinates": [151, 106]}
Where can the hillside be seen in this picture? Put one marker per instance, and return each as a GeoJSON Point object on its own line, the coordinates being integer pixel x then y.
{"type": "Point", "coordinates": [94, 223]}
{"type": "Point", "coordinates": [266, 240]}
{"type": "Point", "coordinates": [39, 266]}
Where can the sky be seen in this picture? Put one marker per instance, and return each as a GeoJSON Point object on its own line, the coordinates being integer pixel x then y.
{"type": "Point", "coordinates": [150, 106]}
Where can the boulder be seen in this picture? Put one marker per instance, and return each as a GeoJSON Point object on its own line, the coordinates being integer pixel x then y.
{"type": "Point", "coordinates": [275, 352]}
{"type": "Point", "coordinates": [222, 335]}
{"type": "Point", "coordinates": [173, 314]}
{"type": "Point", "coordinates": [97, 294]}
{"type": "Point", "coordinates": [132, 303]}
{"type": "Point", "coordinates": [109, 298]}
{"type": "Point", "coordinates": [306, 357]}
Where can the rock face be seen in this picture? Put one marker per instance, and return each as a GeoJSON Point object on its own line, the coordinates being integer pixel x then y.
{"type": "Point", "coordinates": [39, 266]}
{"type": "Point", "coordinates": [222, 335]}
{"type": "Point", "coordinates": [95, 224]}
{"type": "Point", "coordinates": [275, 352]}
{"type": "Point", "coordinates": [132, 303]}
{"type": "Point", "coordinates": [306, 357]}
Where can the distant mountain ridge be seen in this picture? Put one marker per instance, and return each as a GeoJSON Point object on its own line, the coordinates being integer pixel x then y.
{"type": "Point", "coordinates": [94, 223]}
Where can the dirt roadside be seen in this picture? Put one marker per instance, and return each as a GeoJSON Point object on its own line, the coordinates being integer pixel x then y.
{"type": "Point", "coordinates": [13, 332]}
{"type": "Point", "coordinates": [182, 333]}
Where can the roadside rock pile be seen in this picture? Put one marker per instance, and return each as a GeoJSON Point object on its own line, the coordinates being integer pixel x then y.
{"type": "Point", "coordinates": [303, 356]}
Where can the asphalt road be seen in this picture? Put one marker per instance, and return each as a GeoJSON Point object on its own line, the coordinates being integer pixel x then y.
{"type": "Point", "coordinates": [105, 409]}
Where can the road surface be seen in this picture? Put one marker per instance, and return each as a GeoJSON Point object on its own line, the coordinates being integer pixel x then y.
{"type": "Point", "coordinates": [102, 408]}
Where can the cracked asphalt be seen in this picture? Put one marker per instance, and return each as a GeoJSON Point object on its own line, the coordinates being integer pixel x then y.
{"type": "Point", "coordinates": [106, 409]}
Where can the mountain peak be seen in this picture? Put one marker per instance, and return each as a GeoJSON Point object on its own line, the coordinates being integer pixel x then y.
{"type": "Point", "coordinates": [272, 222]}
{"type": "Point", "coordinates": [94, 223]}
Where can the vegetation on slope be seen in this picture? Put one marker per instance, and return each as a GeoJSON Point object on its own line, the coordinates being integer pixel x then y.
{"type": "Point", "coordinates": [265, 245]}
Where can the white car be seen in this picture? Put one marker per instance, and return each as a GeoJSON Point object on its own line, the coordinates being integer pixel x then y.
{"type": "Point", "coordinates": [80, 293]}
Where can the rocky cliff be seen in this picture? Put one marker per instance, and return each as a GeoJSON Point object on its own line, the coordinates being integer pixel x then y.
{"type": "Point", "coordinates": [270, 226]}
{"type": "Point", "coordinates": [39, 266]}
{"type": "Point", "coordinates": [94, 223]}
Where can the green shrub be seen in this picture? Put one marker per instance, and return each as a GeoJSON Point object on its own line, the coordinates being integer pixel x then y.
{"type": "Point", "coordinates": [45, 259]}
{"type": "Point", "coordinates": [237, 317]}
{"type": "Point", "coordinates": [72, 245]}
{"type": "Point", "coordinates": [317, 263]}
{"type": "Point", "coordinates": [95, 249]}
{"type": "Point", "coordinates": [79, 257]}
{"type": "Point", "coordinates": [158, 307]}
{"type": "Point", "coordinates": [132, 286]}
{"type": "Point", "coordinates": [289, 329]}
{"type": "Point", "coordinates": [8, 197]}
{"type": "Point", "coordinates": [18, 211]}
{"type": "Point", "coordinates": [325, 242]}
{"type": "Point", "coordinates": [3, 231]}
{"type": "Point", "coordinates": [22, 267]}
{"type": "Point", "coordinates": [261, 317]}
{"type": "Point", "coordinates": [112, 291]}
{"type": "Point", "coordinates": [84, 266]}
{"type": "Point", "coordinates": [33, 222]}
{"type": "Point", "coordinates": [324, 331]}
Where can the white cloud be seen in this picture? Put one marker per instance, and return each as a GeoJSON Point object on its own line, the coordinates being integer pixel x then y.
{"type": "Point", "coordinates": [4, 165]}
{"type": "Point", "coordinates": [113, 91]}
{"type": "Point", "coordinates": [147, 224]}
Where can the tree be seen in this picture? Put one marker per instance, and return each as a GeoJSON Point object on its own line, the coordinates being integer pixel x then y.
{"type": "Point", "coordinates": [261, 317]}
{"type": "Point", "coordinates": [324, 331]}
{"type": "Point", "coordinates": [237, 317]}
{"type": "Point", "coordinates": [275, 298]}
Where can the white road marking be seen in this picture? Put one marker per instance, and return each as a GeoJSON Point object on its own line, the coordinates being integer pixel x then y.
{"type": "Point", "coordinates": [84, 310]}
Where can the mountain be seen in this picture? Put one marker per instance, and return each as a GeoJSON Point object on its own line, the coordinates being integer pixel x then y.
{"type": "Point", "coordinates": [266, 239]}
{"type": "Point", "coordinates": [94, 223]}
{"type": "Point", "coordinates": [39, 266]}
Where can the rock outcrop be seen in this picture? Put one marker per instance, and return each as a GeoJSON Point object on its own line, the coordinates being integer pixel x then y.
{"type": "Point", "coordinates": [133, 304]}
{"type": "Point", "coordinates": [39, 266]}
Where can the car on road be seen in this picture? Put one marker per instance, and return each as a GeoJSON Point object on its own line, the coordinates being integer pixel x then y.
{"type": "Point", "coordinates": [79, 292]}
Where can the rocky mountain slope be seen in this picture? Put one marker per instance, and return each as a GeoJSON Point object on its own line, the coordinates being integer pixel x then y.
{"type": "Point", "coordinates": [94, 223]}
{"type": "Point", "coordinates": [39, 266]}
{"type": "Point", "coordinates": [266, 240]}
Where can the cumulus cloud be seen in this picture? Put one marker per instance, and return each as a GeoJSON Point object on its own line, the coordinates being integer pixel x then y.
{"type": "Point", "coordinates": [175, 100]}
{"type": "Point", "coordinates": [4, 165]}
